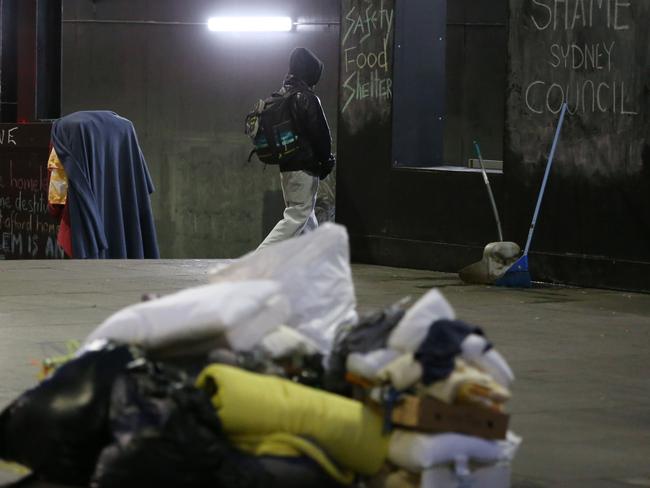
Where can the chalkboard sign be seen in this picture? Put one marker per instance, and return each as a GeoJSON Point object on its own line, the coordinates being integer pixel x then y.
{"type": "Point", "coordinates": [366, 62]}
{"type": "Point", "coordinates": [27, 231]}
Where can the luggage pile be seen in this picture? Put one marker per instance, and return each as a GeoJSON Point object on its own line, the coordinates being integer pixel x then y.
{"type": "Point", "coordinates": [267, 377]}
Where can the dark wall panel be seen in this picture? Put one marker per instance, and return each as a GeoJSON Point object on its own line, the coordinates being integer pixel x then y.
{"type": "Point", "coordinates": [8, 61]}
{"type": "Point", "coordinates": [476, 97]}
{"type": "Point", "coordinates": [48, 59]}
{"type": "Point", "coordinates": [476, 79]}
{"type": "Point", "coordinates": [365, 115]}
{"type": "Point", "coordinates": [26, 59]}
{"type": "Point", "coordinates": [419, 82]}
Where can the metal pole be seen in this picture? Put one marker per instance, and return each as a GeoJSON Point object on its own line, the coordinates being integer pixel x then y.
{"type": "Point", "coordinates": [489, 189]}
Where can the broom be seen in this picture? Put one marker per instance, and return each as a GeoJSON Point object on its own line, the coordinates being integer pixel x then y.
{"type": "Point", "coordinates": [517, 275]}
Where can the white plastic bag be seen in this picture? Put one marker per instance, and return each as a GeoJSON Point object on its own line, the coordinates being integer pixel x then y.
{"type": "Point", "coordinates": [315, 275]}
{"type": "Point", "coordinates": [417, 452]}
{"type": "Point", "coordinates": [244, 312]}
{"type": "Point", "coordinates": [462, 473]}
{"type": "Point", "coordinates": [412, 329]}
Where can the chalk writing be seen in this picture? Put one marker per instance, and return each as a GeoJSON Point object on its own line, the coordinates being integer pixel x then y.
{"type": "Point", "coordinates": [583, 96]}
{"type": "Point", "coordinates": [571, 14]}
{"type": "Point", "coordinates": [368, 19]}
{"type": "Point", "coordinates": [595, 85]}
{"type": "Point", "coordinates": [26, 228]}
{"type": "Point", "coordinates": [366, 49]}
{"type": "Point", "coordinates": [8, 136]}
{"type": "Point", "coordinates": [30, 245]}
{"type": "Point", "coordinates": [585, 57]}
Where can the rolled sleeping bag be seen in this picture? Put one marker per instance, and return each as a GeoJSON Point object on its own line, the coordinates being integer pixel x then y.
{"type": "Point", "coordinates": [254, 404]}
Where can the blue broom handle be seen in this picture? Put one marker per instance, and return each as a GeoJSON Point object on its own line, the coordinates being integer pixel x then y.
{"type": "Point", "coordinates": [546, 173]}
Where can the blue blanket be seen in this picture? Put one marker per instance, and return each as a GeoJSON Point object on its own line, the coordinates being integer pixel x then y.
{"type": "Point", "coordinates": [109, 186]}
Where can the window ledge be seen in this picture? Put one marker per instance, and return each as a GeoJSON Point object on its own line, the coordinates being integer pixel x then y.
{"type": "Point", "coordinates": [459, 169]}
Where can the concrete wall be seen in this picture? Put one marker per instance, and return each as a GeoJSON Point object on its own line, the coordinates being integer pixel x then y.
{"type": "Point", "coordinates": [594, 224]}
{"type": "Point", "coordinates": [187, 91]}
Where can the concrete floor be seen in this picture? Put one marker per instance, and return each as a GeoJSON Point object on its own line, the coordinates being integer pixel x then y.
{"type": "Point", "coordinates": [581, 356]}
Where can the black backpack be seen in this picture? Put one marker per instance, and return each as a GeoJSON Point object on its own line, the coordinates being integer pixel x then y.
{"type": "Point", "coordinates": [272, 129]}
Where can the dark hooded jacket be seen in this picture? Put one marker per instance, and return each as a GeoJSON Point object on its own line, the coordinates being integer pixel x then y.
{"type": "Point", "coordinates": [108, 194]}
{"type": "Point", "coordinates": [305, 71]}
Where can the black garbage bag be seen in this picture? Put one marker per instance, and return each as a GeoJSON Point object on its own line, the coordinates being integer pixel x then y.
{"type": "Point", "coordinates": [370, 333]}
{"type": "Point", "coordinates": [59, 427]}
{"type": "Point", "coordinates": [300, 472]}
{"type": "Point", "coordinates": [166, 433]}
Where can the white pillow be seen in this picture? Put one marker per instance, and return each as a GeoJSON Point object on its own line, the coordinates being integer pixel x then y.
{"type": "Point", "coordinates": [244, 312]}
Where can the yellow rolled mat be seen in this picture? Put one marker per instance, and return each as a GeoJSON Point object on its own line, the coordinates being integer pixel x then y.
{"type": "Point", "coordinates": [255, 404]}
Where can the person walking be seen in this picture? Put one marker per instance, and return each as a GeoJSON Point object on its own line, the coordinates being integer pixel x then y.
{"type": "Point", "coordinates": [300, 175]}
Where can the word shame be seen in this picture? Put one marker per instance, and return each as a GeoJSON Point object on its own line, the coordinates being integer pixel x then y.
{"type": "Point", "coordinates": [571, 14]}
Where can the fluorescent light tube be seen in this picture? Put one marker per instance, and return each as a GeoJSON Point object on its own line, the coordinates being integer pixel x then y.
{"type": "Point", "coordinates": [250, 24]}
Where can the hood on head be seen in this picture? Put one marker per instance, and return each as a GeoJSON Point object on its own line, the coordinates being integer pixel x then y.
{"type": "Point", "coordinates": [304, 65]}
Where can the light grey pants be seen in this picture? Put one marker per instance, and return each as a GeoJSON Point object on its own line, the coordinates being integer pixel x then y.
{"type": "Point", "coordinates": [299, 190]}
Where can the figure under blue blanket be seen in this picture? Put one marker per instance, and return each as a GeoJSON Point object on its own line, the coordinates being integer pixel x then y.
{"type": "Point", "coordinates": [109, 186]}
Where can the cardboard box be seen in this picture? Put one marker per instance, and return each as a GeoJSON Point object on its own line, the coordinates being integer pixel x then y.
{"type": "Point", "coordinates": [427, 414]}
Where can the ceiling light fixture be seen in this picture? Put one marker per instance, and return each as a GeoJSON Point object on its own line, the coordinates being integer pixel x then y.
{"type": "Point", "coordinates": [250, 24]}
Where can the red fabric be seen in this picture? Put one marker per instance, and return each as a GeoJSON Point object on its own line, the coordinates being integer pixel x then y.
{"type": "Point", "coordinates": [55, 210]}
{"type": "Point", "coordinates": [65, 235]}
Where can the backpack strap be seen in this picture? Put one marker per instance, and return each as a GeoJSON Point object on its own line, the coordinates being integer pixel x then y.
{"type": "Point", "coordinates": [295, 90]}
{"type": "Point", "coordinates": [270, 136]}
